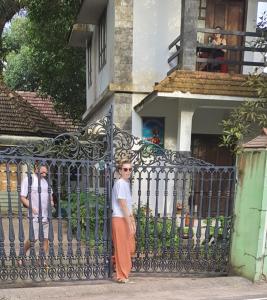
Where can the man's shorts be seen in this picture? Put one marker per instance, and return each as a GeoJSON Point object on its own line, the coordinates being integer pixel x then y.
{"type": "Point", "coordinates": [36, 230]}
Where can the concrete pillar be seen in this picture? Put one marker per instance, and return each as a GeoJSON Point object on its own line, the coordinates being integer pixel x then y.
{"type": "Point", "coordinates": [185, 116]}
{"type": "Point", "coordinates": [189, 19]}
{"type": "Point", "coordinates": [248, 247]}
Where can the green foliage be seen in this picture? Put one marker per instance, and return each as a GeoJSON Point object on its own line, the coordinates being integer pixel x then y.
{"type": "Point", "coordinates": [247, 118]}
{"type": "Point", "coordinates": [222, 222]}
{"type": "Point", "coordinates": [156, 236]}
{"type": "Point", "coordinates": [152, 233]}
{"type": "Point", "coordinates": [16, 35]}
{"type": "Point", "coordinates": [61, 68]}
{"type": "Point", "coordinates": [20, 73]}
{"type": "Point", "coordinates": [8, 8]}
{"type": "Point", "coordinates": [37, 50]}
{"type": "Point", "coordinates": [91, 206]}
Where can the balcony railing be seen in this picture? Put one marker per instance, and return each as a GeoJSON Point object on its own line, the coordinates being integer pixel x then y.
{"type": "Point", "coordinates": [247, 42]}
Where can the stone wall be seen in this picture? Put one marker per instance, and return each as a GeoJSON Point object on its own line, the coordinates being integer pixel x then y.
{"type": "Point", "coordinates": [123, 111]}
{"type": "Point", "coordinates": [123, 62]}
{"type": "Point", "coordinates": [123, 52]}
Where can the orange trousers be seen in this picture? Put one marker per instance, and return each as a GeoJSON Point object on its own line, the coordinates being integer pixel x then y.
{"type": "Point", "coordinates": [124, 247]}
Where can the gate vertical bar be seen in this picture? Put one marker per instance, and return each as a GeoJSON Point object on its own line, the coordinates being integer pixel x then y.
{"type": "Point", "coordinates": [110, 159]}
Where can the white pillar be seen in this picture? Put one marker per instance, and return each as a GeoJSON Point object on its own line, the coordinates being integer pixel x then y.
{"type": "Point", "coordinates": [185, 116]}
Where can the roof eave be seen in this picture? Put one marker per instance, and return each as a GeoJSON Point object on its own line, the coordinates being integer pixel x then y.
{"type": "Point", "coordinates": [180, 95]}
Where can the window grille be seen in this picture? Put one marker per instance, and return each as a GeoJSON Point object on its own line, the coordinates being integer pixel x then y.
{"type": "Point", "coordinates": [102, 41]}
{"type": "Point", "coordinates": [202, 9]}
{"type": "Point", "coordinates": [89, 62]}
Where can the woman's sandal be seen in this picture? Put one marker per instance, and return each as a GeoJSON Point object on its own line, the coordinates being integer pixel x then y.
{"type": "Point", "coordinates": [122, 280]}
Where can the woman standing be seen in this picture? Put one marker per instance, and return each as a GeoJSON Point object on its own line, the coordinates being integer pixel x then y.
{"type": "Point", "coordinates": [123, 223]}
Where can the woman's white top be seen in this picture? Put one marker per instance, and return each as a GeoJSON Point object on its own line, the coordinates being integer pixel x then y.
{"type": "Point", "coordinates": [121, 190]}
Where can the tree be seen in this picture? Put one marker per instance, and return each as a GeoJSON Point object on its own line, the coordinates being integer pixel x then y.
{"type": "Point", "coordinates": [247, 118]}
{"type": "Point", "coordinates": [251, 115]}
{"type": "Point", "coordinates": [42, 60]}
{"type": "Point", "coordinates": [61, 68]}
{"type": "Point", "coordinates": [19, 71]}
{"type": "Point", "coordinates": [8, 8]}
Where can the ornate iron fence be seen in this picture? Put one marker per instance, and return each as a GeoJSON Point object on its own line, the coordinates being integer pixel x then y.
{"type": "Point", "coordinates": [183, 207]}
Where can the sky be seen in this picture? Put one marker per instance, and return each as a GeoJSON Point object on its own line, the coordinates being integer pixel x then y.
{"type": "Point", "coordinates": [262, 7]}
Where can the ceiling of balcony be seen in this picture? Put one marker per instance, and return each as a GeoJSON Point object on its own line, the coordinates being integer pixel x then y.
{"type": "Point", "coordinates": [80, 34]}
{"type": "Point", "coordinates": [91, 11]}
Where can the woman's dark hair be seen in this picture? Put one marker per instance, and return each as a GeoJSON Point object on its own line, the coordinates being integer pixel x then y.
{"type": "Point", "coordinates": [220, 28]}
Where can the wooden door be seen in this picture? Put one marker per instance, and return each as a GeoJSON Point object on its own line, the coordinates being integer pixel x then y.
{"type": "Point", "coordinates": [206, 147]}
{"type": "Point", "coordinates": [230, 15]}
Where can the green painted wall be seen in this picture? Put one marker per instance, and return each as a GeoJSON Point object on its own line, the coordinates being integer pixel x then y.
{"type": "Point", "coordinates": [250, 216]}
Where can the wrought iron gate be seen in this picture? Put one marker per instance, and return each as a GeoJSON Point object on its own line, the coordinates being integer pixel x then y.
{"type": "Point", "coordinates": [183, 207]}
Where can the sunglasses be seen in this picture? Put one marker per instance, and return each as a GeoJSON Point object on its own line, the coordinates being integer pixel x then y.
{"type": "Point", "coordinates": [127, 169]}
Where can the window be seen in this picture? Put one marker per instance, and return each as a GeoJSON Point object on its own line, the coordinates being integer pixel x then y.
{"type": "Point", "coordinates": [89, 62]}
{"type": "Point", "coordinates": [202, 9]}
{"type": "Point", "coordinates": [102, 41]}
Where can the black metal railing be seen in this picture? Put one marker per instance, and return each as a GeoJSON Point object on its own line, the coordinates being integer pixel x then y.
{"type": "Point", "coordinates": [183, 207]}
{"type": "Point", "coordinates": [257, 44]}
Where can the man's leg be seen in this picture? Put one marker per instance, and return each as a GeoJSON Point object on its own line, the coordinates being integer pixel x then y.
{"type": "Point", "coordinates": [27, 246]}
{"type": "Point", "coordinates": [46, 246]}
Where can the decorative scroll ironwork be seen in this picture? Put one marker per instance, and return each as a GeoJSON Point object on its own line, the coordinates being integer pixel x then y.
{"type": "Point", "coordinates": [183, 208]}
{"type": "Point", "coordinates": [144, 153]}
{"type": "Point", "coordinates": [94, 143]}
{"type": "Point", "coordinates": [88, 144]}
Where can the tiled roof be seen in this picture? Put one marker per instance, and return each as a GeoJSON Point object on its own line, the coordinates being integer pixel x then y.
{"type": "Point", "coordinates": [46, 107]}
{"type": "Point", "coordinates": [18, 117]}
{"type": "Point", "coordinates": [259, 142]}
{"type": "Point", "coordinates": [206, 83]}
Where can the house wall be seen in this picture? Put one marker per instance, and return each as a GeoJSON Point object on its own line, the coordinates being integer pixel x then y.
{"type": "Point", "coordinates": [206, 120]}
{"type": "Point", "coordinates": [101, 79]}
{"type": "Point", "coordinates": [118, 68]}
{"type": "Point", "coordinates": [155, 25]}
{"type": "Point", "coordinates": [170, 113]}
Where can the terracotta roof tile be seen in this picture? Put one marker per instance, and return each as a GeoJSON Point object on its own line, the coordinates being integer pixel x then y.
{"type": "Point", "coordinates": [46, 107]}
{"type": "Point", "coordinates": [259, 142]}
{"type": "Point", "coordinates": [206, 83]}
{"type": "Point", "coordinates": [17, 117]}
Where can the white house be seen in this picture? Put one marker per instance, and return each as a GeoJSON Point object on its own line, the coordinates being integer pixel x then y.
{"type": "Point", "coordinates": [132, 45]}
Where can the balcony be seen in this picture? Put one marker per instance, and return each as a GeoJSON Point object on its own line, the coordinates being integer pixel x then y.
{"type": "Point", "coordinates": [248, 52]}
{"type": "Point", "coordinates": [80, 35]}
{"type": "Point", "coordinates": [90, 11]}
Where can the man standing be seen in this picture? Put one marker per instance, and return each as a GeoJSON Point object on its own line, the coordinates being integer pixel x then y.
{"type": "Point", "coordinates": [39, 194]}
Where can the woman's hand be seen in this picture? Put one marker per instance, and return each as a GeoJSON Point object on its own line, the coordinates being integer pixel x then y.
{"type": "Point", "coordinates": [131, 225]}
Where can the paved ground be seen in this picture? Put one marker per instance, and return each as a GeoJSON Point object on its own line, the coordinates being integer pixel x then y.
{"type": "Point", "coordinates": [144, 288]}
